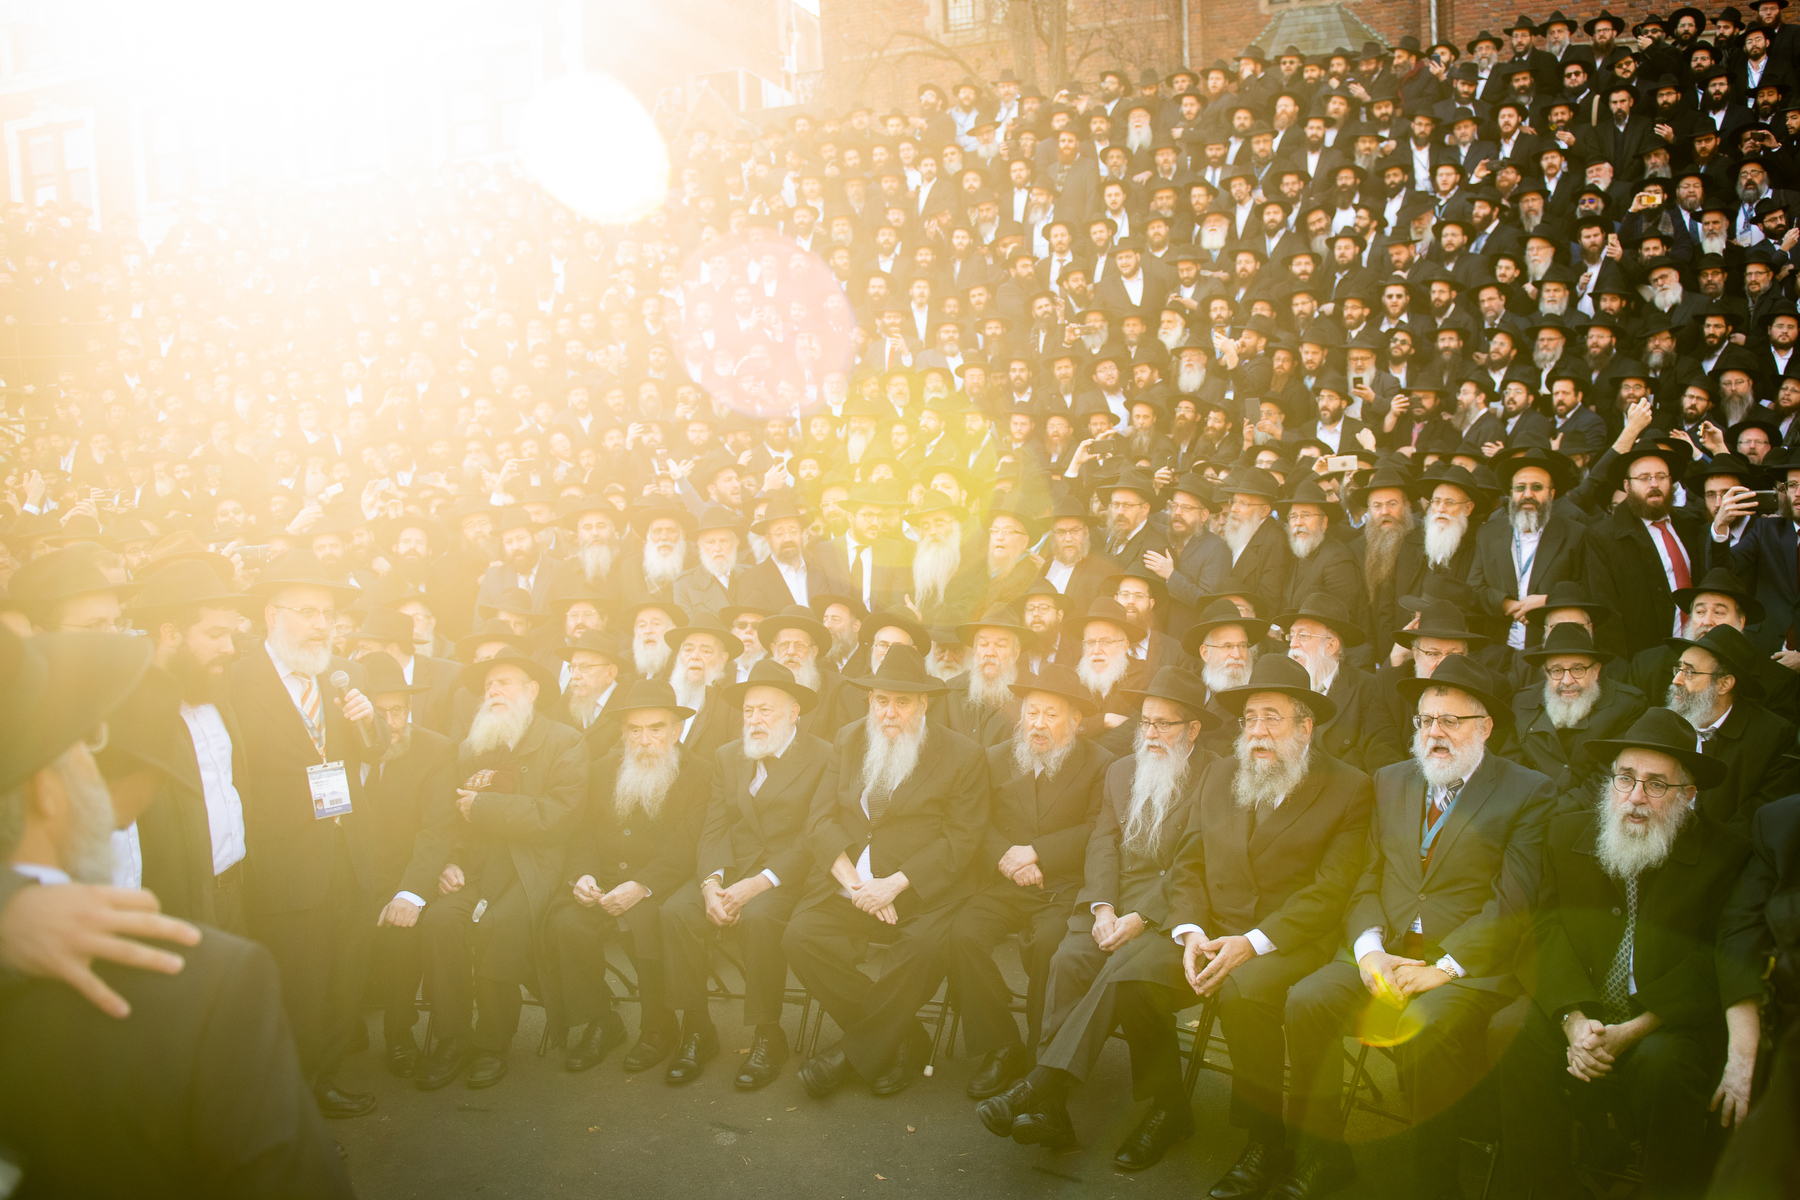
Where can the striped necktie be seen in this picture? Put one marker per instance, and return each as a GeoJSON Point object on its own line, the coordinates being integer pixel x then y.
{"type": "Point", "coordinates": [309, 711]}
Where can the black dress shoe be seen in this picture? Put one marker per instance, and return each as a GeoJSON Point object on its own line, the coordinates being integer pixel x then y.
{"type": "Point", "coordinates": [651, 1048]}
{"type": "Point", "coordinates": [1313, 1176]}
{"type": "Point", "coordinates": [697, 1049]}
{"type": "Point", "coordinates": [825, 1073]}
{"type": "Point", "coordinates": [597, 1041]}
{"type": "Point", "coordinates": [443, 1064]}
{"type": "Point", "coordinates": [338, 1105]}
{"type": "Point", "coordinates": [403, 1056]}
{"type": "Point", "coordinates": [1048, 1127]}
{"type": "Point", "coordinates": [486, 1069]}
{"type": "Point", "coordinates": [998, 1113]}
{"type": "Point", "coordinates": [1250, 1176]}
{"type": "Point", "coordinates": [998, 1070]}
{"type": "Point", "coordinates": [1160, 1129]}
{"type": "Point", "coordinates": [764, 1063]}
{"type": "Point", "coordinates": [909, 1060]}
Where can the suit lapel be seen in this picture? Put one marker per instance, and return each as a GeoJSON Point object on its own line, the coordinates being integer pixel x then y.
{"type": "Point", "coordinates": [1291, 810]}
{"type": "Point", "coordinates": [1406, 828]}
{"type": "Point", "coordinates": [276, 697]}
{"type": "Point", "coordinates": [1467, 802]}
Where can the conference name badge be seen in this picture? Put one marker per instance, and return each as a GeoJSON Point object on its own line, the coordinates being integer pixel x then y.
{"type": "Point", "coordinates": [330, 790]}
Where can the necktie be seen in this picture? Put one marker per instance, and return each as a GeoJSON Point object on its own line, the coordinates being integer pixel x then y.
{"type": "Point", "coordinates": [1615, 993]}
{"type": "Point", "coordinates": [877, 799]}
{"type": "Point", "coordinates": [762, 776]}
{"type": "Point", "coordinates": [309, 710]}
{"type": "Point", "coordinates": [1438, 803]}
{"type": "Point", "coordinates": [1677, 560]}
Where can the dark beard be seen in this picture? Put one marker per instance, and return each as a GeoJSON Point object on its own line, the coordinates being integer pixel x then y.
{"type": "Point", "coordinates": [1381, 551]}
{"type": "Point", "coordinates": [199, 685]}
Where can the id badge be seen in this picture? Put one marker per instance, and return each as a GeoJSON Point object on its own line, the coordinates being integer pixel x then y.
{"type": "Point", "coordinates": [330, 790]}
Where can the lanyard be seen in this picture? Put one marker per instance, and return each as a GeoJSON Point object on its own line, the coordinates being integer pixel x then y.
{"type": "Point", "coordinates": [1432, 830]}
{"type": "Point", "coordinates": [1522, 561]}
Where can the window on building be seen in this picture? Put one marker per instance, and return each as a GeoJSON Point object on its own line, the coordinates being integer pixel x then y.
{"type": "Point", "coordinates": [59, 164]}
{"type": "Point", "coordinates": [962, 14]}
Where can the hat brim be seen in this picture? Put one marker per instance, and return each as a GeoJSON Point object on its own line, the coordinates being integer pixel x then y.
{"type": "Point", "coordinates": [1411, 689]}
{"type": "Point", "coordinates": [805, 696]}
{"type": "Point", "coordinates": [263, 589]}
{"type": "Point", "coordinates": [1406, 637]}
{"type": "Point", "coordinates": [1234, 699]}
{"type": "Point", "coordinates": [733, 645]}
{"type": "Point", "coordinates": [474, 676]}
{"type": "Point", "coordinates": [1347, 632]}
{"type": "Point", "coordinates": [872, 683]}
{"type": "Point", "coordinates": [1707, 772]}
{"type": "Point", "coordinates": [1747, 682]}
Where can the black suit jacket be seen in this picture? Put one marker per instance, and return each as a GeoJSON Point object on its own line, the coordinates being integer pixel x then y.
{"type": "Point", "coordinates": [197, 1093]}
{"type": "Point", "coordinates": [1751, 742]}
{"type": "Point", "coordinates": [762, 586]}
{"type": "Point", "coordinates": [1765, 559]}
{"type": "Point", "coordinates": [1135, 879]}
{"type": "Point", "coordinates": [435, 710]}
{"type": "Point", "coordinates": [1561, 555]}
{"type": "Point", "coordinates": [1540, 745]}
{"type": "Point", "coordinates": [1626, 572]}
{"type": "Point", "coordinates": [1054, 816]}
{"type": "Point", "coordinates": [744, 834]}
{"type": "Point", "coordinates": [658, 851]}
{"type": "Point", "coordinates": [1266, 565]}
{"type": "Point", "coordinates": [1362, 733]}
{"type": "Point", "coordinates": [1483, 872]}
{"type": "Point", "coordinates": [402, 793]}
{"type": "Point", "coordinates": [1331, 569]}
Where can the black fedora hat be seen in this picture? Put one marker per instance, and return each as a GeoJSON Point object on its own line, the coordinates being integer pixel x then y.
{"type": "Point", "coordinates": [1566, 593]}
{"type": "Point", "coordinates": [896, 618]}
{"type": "Point", "coordinates": [1059, 680]}
{"type": "Point", "coordinates": [1219, 613]}
{"type": "Point", "coordinates": [1308, 491]}
{"type": "Point", "coordinates": [794, 616]}
{"type": "Point", "coordinates": [1460, 478]}
{"type": "Point", "coordinates": [1181, 687]}
{"type": "Point", "coordinates": [1105, 608]}
{"type": "Point", "coordinates": [604, 644]}
{"type": "Point", "coordinates": [1047, 590]}
{"type": "Point", "coordinates": [1133, 479]}
{"type": "Point", "coordinates": [57, 688]}
{"type": "Point", "coordinates": [1666, 732]}
{"type": "Point", "coordinates": [490, 631]}
{"type": "Point", "coordinates": [60, 574]}
{"type": "Point", "coordinates": [512, 600]}
{"type": "Point", "coordinates": [1509, 462]}
{"type": "Point", "coordinates": [1279, 673]}
{"type": "Point", "coordinates": [783, 506]}
{"type": "Point", "coordinates": [998, 616]}
{"type": "Point", "coordinates": [383, 625]}
{"type": "Point", "coordinates": [1441, 620]}
{"type": "Point", "coordinates": [902, 670]}
{"type": "Point", "coordinates": [383, 674]}
{"type": "Point", "coordinates": [705, 622]}
{"type": "Point", "coordinates": [1720, 581]}
{"type": "Point", "coordinates": [189, 583]}
{"type": "Point", "coordinates": [642, 518]}
{"type": "Point", "coordinates": [1567, 638]}
{"type": "Point", "coordinates": [1463, 673]}
{"type": "Point", "coordinates": [1736, 654]}
{"type": "Point", "coordinates": [1249, 481]}
{"type": "Point", "coordinates": [769, 673]}
{"type": "Point", "coordinates": [474, 676]}
{"type": "Point", "coordinates": [646, 693]}
{"type": "Point", "coordinates": [1329, 611]}
{"type": "Point", "coordinates": [299, 568]}
{"type": "Point", "coordinates": [1674, 452]}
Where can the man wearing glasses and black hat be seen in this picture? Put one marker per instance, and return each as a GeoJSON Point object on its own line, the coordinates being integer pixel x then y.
{"type": "Point", "coordinates": [1715, 690]}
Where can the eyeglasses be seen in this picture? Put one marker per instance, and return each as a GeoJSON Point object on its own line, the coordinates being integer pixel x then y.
{"type": "Point", "coordinates": [1227, 647]}
{"type": "Point", "coordinates": [1448, 722]}
{"type": "Point", "coordinates": [1297, 635]}
{"type": "Point", "coordinates": [1558, 674]}
{"type": "Point", "coordinates": [1656, 789]}
{"type": "Point", "coordinates": [1660, 477]}
{"type": "Point", "coordinates": [1269, 723]}
{"type": "Point", "coordinates": [98, 625]}
{"type": "Point", "coordinates": [1683, 671]}
{"type": "Point", "coordinates": [1160, 728]}
{"type": "Point", "coordinates": [311, 616]}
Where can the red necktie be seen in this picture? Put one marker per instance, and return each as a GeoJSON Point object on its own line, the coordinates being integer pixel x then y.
{"type": "Point", "coordinates": [1677, 560]}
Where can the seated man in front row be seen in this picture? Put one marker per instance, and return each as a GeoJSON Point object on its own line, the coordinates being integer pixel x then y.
{"type": "Point", "coordinates": [1628, 995]}
{"type": "Point", "coordinates": [1046, 782]}
{"type": "Point", "coordinates": [1455, 843]}
{"type": "Point", "coordinates": [895, 832]}
{"type": "Point", "coordinates": [1124, 905]}
{"type": "Point", "coordinates": [755, 866]}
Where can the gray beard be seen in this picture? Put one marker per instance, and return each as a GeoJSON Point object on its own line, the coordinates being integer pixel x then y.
{"type": "Point", "coordinates": [1442, 541]}
{"type": "Point", "coordinates": [886, 765]}
{"type": "Point", "coordinates": [651, 659]}
{"type": "Point", "coordinates": [596, 560]}
{"type": "Point", "coordinates": [757, 749]}
{"type": "Point", "coordinates": [1189, 380]}
{"type": "Point", "coordinates": [1564, 713]}
{"type": "Point", "coordinates": [1525, 520]}
{"type": "Point", "coordinates": [1381, 550]}
{"type": "Point", "coordinates": [663, 567]}
{"type": "Point", "coordinates": [1624, 853]}
{"type": "Point", "coordinates": [307, 660]}
{"type": "Point", "coordinates": [1224, 678]}
{"type": "Point", "coordinates": [1666, 298]}
{"type": "Point", "coordinates": [583, 708]}
{"type": "Point", "coordinates": [1027, 761]}
{"type": "Point", "coordinates": [399, 744]}
{"type": "Point", "coordinates": [992, 695]}
{"type": "Point", "coordinates": [643, 781]}
{"type": "Point", "coordinates": [1710, 244]}
{"type": "Point", "coordinates": [1238, 532]}
{"type": "Point", "coordinates": [934, 564]}
{"type": "Point", "coordinates": [759, 547]}
{"type": "Point", "coordinates": [1102, 682]}
{"type": "Point", "coordinates": [1155, 783]}
{"type": "Point", "coordinates": [1555, 308]}
{"type": "Point", "coordinates": [843, 645]}
{"type": "Point", "coordinates": [1736, 408]}
{"type": "Point", "coordinates": [497, 727]}
{"type": "Point", "coordinates": [1696, 708]}
{"type": "Point", "coordinates": [1305, 545]}
{"type": "Point", "coordinates": [1544, 359]}
{"type": "Point", "coordinates": [999, 562]}
{"type": "Point", "coordinates": [944, 669]}
{"type": "Point", "coordinates": [688, 693]}
{"type": "Point", "coordinates": [806, 674]}
{"type": "Point", "coordinates": [1259, 786]}
{"type": "Point", "coordinates": [1461, 765]}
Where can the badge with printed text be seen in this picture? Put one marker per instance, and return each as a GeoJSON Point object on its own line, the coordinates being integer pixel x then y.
{"type": "Point", "coordinates": [330, 790]}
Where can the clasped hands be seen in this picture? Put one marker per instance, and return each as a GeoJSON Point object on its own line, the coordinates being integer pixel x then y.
{"type": "Point", "coordinates": [1594, 1045]}
{"type": "Point", "coordinates": [724, 904]}
{"type": "Point", "coordinates": [1112, 931]}
{"type": "Point", "coordinates": [616, 902]}
{"type": "Point", "coordinates": [1222, 955]}
{"type": "Point", "coordinates": [1020, 864]}
{"type": "Point", "coordinates": [1395, 980]}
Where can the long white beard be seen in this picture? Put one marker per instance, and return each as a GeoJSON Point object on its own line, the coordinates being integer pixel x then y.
{"type": "Point", "coordinates": [888, 764]}
{"type": "Point", "coordinates": [1093, 341]}
{"type": "Point", "coordinates": [1564, 713]}
{"type": "Point", "coordinates": [1102, 681]}
{"type": "Point", "coordinates": [1527, 520]}
{"type": "Point", "coordinates": [759, 547]}
{"type": "Point", "coordinates": [1443, 773]}
{"type": "Point", "coordinates": [1304, 545]}
{"type": "Point", "coordinates": [1225, 676]}
{"type": "Point", "coordinates": [651, 658]}
{"type": "Point", "coordinates": [1170, 338]}
{"type": "Point", "coordinates": [663, 565]}
{"type": "Point", "coordinates": [1544, 359]}
{"type": "Point", "coordinates": [806, 674]}
{"type": "Point", "coordinates": [1711, 244]}
{"type": "Point", "coordinates": [690, 692]}
{"type": "Point", "coordinates": [1666, 298]}
{"type": "Point", "coordinates": [758, 748]}
{"type": "Point", "coordinates": [934, 565]}
{"type": "Point", "coordinates": [1626, 852]}
{"type": "Point", "coordinates": [1027, 761]}
{"type": "Point", "coordinates": [857, 443]}
{"type": "Point", "coordinates": [497, 725]}
{"type": "Point", "coordinates": [1261, 785]}
{"type": "Point", "coordinates": [1555, 307]}
{"type": "Point", "coordinates": [718, 562]}
{"type": "Point", "coordinates": [1238, 532]}
{"type": "Point", "coordinates": [1212, 239]}
{"type": "Point", "coordinates": [596, 560]}
{"type": "Point", "coordinates": [307, 659]}
{"type": "Point", "coordinates": [990, 695]}
{"type": "Point", "coordinates": [1189, 380]}
{"type": "Point", "coordinates": [643, 780]}
{"type": "Point", "coordinates": [1155, 782]}
{"type": "Point", "coordinates": [1138, 137]}
{"type": "Point", "coordinates": [1443, 537]}
{"type": "Point", "coordinates": [943, 666]}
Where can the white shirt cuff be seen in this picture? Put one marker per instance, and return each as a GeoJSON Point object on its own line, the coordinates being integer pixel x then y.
{"type": "Point", "coordinates": [418, 900]}
{"type": "Point", "coordinates": [1718, 537]}
{"type": "Point", "coordinates": [1450, 967]}
{"type": "Point", "coordinates": [774, 880]}
{"type": "Point", "coordinates": [1097, 905]}
{"type": "Point", "coordinates": [1370, 941]}
{"type": "Point", "coordinates": [1261, 941]}
{"type": "Point", "coordinates": [1181, 931]}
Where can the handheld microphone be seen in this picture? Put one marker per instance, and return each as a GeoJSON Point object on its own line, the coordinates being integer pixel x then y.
{"type": "Point", "coordinates": [341, 681]}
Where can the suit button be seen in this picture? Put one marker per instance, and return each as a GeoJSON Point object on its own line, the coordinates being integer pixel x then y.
{"type": "Point", "coordinates": [1162, 872]}
{"type": "Point", "coordinates": [624, 866]}
{"type": "Point", "coordinates": [1615, 912]}
{"type": "Point", "coordinates": [628, 833]}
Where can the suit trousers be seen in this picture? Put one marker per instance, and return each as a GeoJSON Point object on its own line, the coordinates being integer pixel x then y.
{"type": "Point", "coordinates": [826, 942]}
{"type": "Point", "coordinates": [396, 965]}
{"type": "Point", "coordinates": [1439, 1046]}
{"type": "Point", "coordinates": [1660, 1087]}
{"type": "Point", "coordinates": [688, 936]}
{"type": "Point", "coordinates": [457, 985]}
{"type": "Point", "coordinates": [982, 995]}
{"type": "Point", "coordinates": [578, 937]}
{"type": "Point", "coordinates": [1252, 1029]}
{"type": "Point", "coordinates": [322, 954]}
{"type": "Point", "coordinates": [1081, 1001]}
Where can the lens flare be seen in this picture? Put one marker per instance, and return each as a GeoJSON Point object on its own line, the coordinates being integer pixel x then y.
{"type": "Point", "coordinates": [588, 141]}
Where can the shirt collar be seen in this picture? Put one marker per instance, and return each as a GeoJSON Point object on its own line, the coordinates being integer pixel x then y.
{"type": "Point", "coordinates": [42, 873]}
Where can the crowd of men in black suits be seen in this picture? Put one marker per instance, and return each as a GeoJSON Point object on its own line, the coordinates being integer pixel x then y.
{"type": "Point", "coordinates": [1308, 545]}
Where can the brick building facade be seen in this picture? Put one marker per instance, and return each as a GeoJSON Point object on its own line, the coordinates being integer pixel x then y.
{"type": "Point", "coordinates": [879, 51]}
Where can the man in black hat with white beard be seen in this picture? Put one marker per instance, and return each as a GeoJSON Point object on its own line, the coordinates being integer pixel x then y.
{"type": "Point", "coordinates": [894, 835]}
{"type": "Point", "coordinates": [1715, 690]}
{"type": "Point", "coordinates": [1361, 732]}
{"type": "Point", "coordinates": [1655, 1025]}
{"type": "Point", "coordinates": [755, 866]}
{"type": "Point", "coordinates": [1047, 782]}
{"type": "Point", "coordinates": [523, 783]}
{"type": "Point", "coordinates": [1575, 703]}
{"type": "Point", "coordinates": [1124, 901]}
